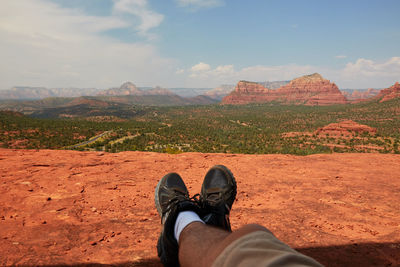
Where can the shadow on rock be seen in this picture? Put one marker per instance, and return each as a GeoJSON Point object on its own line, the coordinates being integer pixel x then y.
{"type": "Point", "coordinates": [357, 254]}
{"type": "Point", "coordinates": [154, 262]}
{"type": "Point", "coordinates": [362, 254]}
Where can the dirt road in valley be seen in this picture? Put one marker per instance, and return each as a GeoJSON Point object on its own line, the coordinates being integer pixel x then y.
{"type": "Point", "coordinates": [68, 207]}
{"type": "Point", "coordinates": [91, 140]}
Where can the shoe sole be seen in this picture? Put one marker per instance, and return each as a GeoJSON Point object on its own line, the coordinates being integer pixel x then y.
{"type": "Point", "coordinates": [156, 198]}
{"type": "Point", "coordinates": [157, 190]}
{"type": "Point", "coordinates": [230, 176]}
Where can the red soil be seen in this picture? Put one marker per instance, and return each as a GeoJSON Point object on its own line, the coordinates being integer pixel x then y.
{"type": "Point", "coordinates": [68, 207]}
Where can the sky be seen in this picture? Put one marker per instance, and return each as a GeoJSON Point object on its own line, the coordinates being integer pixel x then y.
{"type": "Point", "coordinates": [197, 43]}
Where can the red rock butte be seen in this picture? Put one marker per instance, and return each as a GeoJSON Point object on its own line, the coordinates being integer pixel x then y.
{"type": "Point", "coordinates": [389, 93]}
{"type": "Point", "coordinates": [312, 90]}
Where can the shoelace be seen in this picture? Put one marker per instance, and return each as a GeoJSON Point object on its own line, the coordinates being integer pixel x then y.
{"type": "Point", "coordinates": [196, 198]}
{"type": "Point", "coordinates": [215, 197]}
{"type": "Point", "coordinates": [179, 198]}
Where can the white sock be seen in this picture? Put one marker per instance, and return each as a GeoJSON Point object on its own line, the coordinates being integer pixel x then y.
{"type": "Point", "coordinates": [184, 219]}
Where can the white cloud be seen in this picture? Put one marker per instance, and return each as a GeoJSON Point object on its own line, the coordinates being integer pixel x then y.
{"type": "Point", "coordinates": [341, 56]}
{"type": "Point", "coordinates": [148, 19]}
{"type": "Point", "coordinates": [201, 67]}
{"type": "Point", "coordinates": [365, 73]}
{"type": "Point", "coordinates": [198, 4]}
{"type": "Point", "coordinates": [204, 71]}
{"type": "Point", "coordinates": [275, 73]}
{"type": "Point", "coordinates": [367, 67]}
{"type": "Point", "coordinates": [179, 71]}
{"type": "Point", "coordinates": [42, 44]}
{"type": "Point", "coordinates": [360, 74]}
{"type": "Point", "coordinates": [224, 70]}
{"type": "Point", "coordinates": [205, 76]}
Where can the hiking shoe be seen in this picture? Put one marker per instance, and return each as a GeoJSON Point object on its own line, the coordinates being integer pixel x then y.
{"type": "Point", "coordinates": [218, 193]}
{"type": "Point", "coordinates": [171, 197]}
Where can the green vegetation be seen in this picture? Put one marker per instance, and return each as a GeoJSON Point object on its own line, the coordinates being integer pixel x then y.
{"type": "Point", "coordinates": [254, 129]}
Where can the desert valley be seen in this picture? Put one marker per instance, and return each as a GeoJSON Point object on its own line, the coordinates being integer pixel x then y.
{"type": "Point", "coordinates": [304, 116]}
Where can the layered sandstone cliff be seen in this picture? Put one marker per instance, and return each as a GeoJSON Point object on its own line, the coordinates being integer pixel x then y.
{"type": "Point", "coordinates": [312, 90]}
{"type": "Point", "coordinates": [389, 93]}
{"type": "Point", "coordinates": [307, 90]}
{"type": "Point", "coordinates": [249, 92]}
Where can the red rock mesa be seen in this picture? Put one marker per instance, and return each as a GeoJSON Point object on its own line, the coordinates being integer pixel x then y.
{"type": "Point", "coordinates": [310, 90]}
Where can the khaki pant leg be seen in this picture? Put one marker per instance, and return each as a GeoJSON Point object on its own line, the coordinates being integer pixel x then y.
{"type": "Point", "coordinates": [261, 248]}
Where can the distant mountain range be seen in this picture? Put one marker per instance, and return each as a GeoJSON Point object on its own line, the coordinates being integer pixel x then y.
{"type": "Point", "coordinates": [124, 106]}
{"type": "Point", "coordinates": [128, 88]}
{"type": "Point", "coordinates": [128, 100]}
{"type": "Point", "coordinates": [26, 93]}
{"type": "Point", "coordinates": [170, 96]}
{"type": "Point", "coordinates": [358, 94]}
{"type": "Point", "coordinates": [122, 101]}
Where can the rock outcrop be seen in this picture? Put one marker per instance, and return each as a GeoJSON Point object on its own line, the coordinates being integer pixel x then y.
{"type": "Point", "coordinates": [307, 90]}
{"type": "Point", "coordinates": [312, 90]}
{"type": "Point", "coordinates": [249, 92]}
{"type": "Point", "coordinates": [389, 93]}
{"type": "Point", "coordinates": [345, 128]}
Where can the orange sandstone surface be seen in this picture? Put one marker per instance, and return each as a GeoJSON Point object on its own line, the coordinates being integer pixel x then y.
{"type": "Point", "coordinates": [83, 208]}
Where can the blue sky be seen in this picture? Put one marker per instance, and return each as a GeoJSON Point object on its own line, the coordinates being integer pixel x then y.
{"type": "Point", "coordinates": [197, 43]}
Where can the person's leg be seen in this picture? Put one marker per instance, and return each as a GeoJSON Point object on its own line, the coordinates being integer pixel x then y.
{"type": "Point", "coordinates": [251, 245]}
{"type": "Point", "coordinates": [218, 192]}
{"type": "Point", "coordinates": [172, 198]}
{"type": "Point", "coordinates": [205, 245]}
{"type": "Point", "coordinates": [201, 244]}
